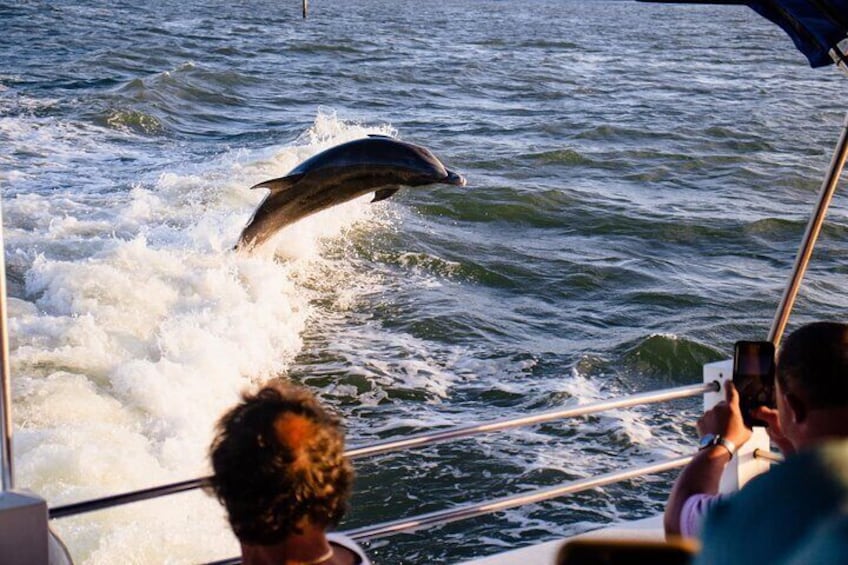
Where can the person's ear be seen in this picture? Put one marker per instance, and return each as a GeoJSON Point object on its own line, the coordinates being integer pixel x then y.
{"type": "Point", "coordinates": [797, 407]}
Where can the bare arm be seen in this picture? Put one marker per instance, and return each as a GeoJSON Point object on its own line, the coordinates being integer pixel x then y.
{"type": "Point", "coordinates": [703, 474]}
{"type": "Point", "coordinates": [700, 476]}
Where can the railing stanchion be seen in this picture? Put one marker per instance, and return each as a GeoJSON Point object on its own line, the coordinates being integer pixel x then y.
{"type": "Point", "coordinates": [8, 475]}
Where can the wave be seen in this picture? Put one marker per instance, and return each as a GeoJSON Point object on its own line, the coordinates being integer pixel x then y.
{"type": "Point", "coordinates": [668, 358]}
{"type": "Point", "coordinates": [133, 121]}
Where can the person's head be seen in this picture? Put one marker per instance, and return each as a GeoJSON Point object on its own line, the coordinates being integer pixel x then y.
{"type": "Point", "coordinates": [279, 464]}
{"type": "Point", "coordinates": [812, 381]}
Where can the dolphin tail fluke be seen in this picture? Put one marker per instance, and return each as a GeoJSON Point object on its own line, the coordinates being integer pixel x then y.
{"type": "Point", "coordinates": [281, 183]}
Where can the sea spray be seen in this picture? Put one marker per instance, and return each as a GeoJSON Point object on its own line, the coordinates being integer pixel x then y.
{"type": "Point", "coordinates": [127, 348]}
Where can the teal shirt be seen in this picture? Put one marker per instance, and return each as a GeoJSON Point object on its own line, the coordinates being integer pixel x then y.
{"type": "Point", "coordinates": [795, 514]}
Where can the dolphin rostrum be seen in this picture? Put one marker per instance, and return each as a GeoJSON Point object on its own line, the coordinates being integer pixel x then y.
{"type": "Point", "coordinates": [378, 164]}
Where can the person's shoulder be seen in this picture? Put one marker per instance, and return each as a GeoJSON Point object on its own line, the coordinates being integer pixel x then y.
{"type": "Point", "coordinates": [348, 543]}
{"type": "Point", "coordinates": [774, 513]}
{"type": "Point", "coordinates": [822, 468]}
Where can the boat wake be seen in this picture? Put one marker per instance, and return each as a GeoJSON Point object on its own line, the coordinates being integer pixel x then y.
{"type": "Point", "coordinates": [134, 326]}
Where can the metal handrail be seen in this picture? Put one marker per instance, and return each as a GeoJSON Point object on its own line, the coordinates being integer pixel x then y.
{"type": "Point", "coordinates": [472, 510]}
{"type": "Point", "coordinates": [499, 425]}
{"type": "Point", "coordinates": [125, 498]}
{"type": "Point", "coordinates": [419, 440]}
{"type": "Point", "coordinates": [768, 456]}
{"type": "Point", "coordinates": [805, 251]}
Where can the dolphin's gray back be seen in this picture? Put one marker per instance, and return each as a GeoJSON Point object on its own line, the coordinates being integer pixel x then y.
{"type": "Point", "coordinates": [375, 151]}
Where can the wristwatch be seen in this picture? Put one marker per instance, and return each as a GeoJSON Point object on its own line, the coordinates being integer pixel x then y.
{"type": "Point", "coordinates": [711, 440]}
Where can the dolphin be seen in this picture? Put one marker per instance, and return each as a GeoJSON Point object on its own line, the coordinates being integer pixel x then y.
{"type": "Point", "coordinates": [378, 164]}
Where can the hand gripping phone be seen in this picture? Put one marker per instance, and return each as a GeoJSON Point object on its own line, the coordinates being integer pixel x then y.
{"type": "Point", "coordinates": [753, 376]}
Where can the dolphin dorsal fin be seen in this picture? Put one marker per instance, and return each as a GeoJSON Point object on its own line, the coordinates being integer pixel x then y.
{"type": "Point", "coordinates": [282, 183]}
{"type": "Point", "coordinates": [380, 136]}
{"type": "Point", "coordinates": [384, 193]}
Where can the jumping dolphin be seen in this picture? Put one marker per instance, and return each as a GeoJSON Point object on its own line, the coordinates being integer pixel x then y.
{"type": "Point", "coordinates": [378, 164]}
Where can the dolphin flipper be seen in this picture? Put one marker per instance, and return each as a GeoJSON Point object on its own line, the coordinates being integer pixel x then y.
{"type": "Point", "coordinates": [384, 193]}
{"type": "Point", "coordinates": [281, 183]}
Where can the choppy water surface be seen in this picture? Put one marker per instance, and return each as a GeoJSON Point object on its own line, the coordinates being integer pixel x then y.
{"type": "Point", "coordinates": [639, 179]}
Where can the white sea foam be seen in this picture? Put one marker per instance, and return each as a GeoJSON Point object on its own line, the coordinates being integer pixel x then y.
{"type": "Point", "coordinates": [131, 340]}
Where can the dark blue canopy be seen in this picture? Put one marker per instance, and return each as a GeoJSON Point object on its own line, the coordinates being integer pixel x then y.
{"type": "Point", "coordinates": [816, 26]}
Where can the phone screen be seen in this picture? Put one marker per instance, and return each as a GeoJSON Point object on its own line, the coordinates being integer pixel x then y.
{"type": "Point", "coordinates": [753, 376]}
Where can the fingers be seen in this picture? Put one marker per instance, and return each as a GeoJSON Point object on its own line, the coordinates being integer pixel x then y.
{"type": "Point", "coordinates": [725, 418]}
{"type": "Point", "coordinates": [731, 394]}
{"type": "Point", "coordinates": [773, 429]}
{"type": "Point", "coordinates": [764, 413]}
{"type": "Point", "coordinates": [736, 422]}
{"type": "Point", "coordinates": [768, 415]}
{"type": "Point", "coordinates": [713, 420]}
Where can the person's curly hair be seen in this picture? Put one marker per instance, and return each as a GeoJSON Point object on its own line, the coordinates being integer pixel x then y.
{"type": "Point", "coordinates": [278, 457]}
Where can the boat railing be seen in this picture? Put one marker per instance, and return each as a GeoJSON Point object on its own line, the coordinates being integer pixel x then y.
{"type": "Point", "coordinates": [714, 375]}
{"type": "Point", "coordinates": [465, 511]}
{"type": "Point", "coordinates": [461, 512]}
{"type": "Point", "coordinates": [710, 389]}
{"type": "Point", "coordinates": [413, 441]}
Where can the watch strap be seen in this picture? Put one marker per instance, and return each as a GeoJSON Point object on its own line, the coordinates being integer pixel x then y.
{"type": "Point", "coordinates": [712, 440]}
{"type": "Point", "coordinates": [729, 445]}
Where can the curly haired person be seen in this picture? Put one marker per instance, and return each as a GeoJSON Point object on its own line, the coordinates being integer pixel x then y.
{"type": "Point", "coordinates": [280, 472]}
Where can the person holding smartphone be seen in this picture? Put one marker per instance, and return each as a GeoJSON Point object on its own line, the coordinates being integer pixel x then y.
{"type": "Point", "coordinates": [810, 407]}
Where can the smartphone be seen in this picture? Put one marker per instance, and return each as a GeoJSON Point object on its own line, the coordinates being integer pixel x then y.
{"type": "Point", "coordinates": [753, 376]}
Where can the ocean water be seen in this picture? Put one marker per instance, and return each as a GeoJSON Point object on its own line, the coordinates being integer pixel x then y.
{"type": "Point", "coordinates": [639, 176]}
